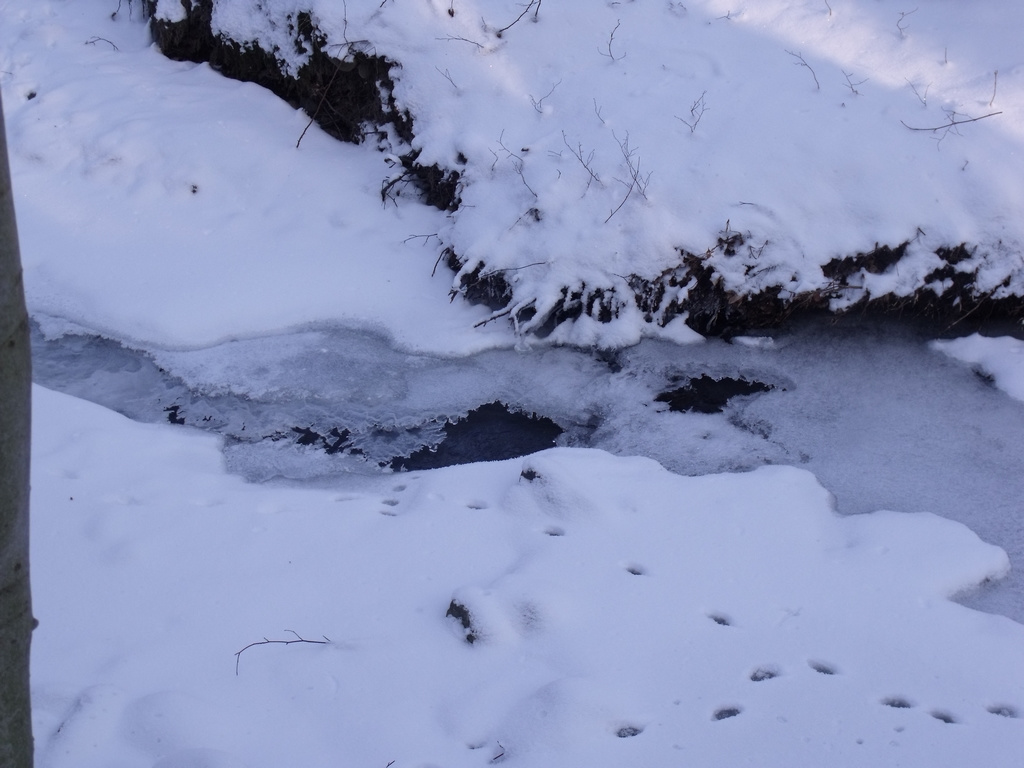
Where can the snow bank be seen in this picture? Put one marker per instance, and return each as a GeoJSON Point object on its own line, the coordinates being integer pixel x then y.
{"type": "Point", "coordinates": [621, 614]}
{"type": "Point", "coordinates": [634, 162]}
{"type": "Point", "coordinates": [1001, 359]}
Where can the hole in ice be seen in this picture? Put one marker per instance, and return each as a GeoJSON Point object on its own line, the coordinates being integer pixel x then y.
{"type": "Point", "coordinates": [764, 673]}
{"type": "Point", "coordinates": [822, 668]}
{"type": "Point", "coordinates": [708, 395]}
{"type": "Point", "coordinates": [943, 716]}
{"type": "Point", "coordinates": [1004, 710]}
{"type": "Point", "coordinates": [720, 619]}
{"type": "Point", "coordinates": [897, 702]}
{"type": "Point", "coordinates": [628, 731]}
{"type": "Point", "coordinates": [726, 712]}
{"type": "Point", "coordinates": [492, 432]}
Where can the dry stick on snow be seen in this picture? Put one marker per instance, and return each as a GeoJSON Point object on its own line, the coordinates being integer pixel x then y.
{"type": "Point", "coordinates": [453, 38]}
{"type": "Point", "coordinates": [829, 8]}
{"type": "Point", "coordinates": [597, 111]}
{"type": "Point", "coordinates": [526, 10]}
{"type": "Point", "coordinates": [538, 104]}
{"type": "Point", "coordinates": [447, 76]}
{"type": "Point", "coordinates": [94, 40]}
{"type": "Point", "coordinates": [801, 63]}
{"type": "Point", "coordinates": [697, 110]}
{"type": "Point", "coordinates": [611, 38]}
{"type": "Point", "coordinates": [578, 154]}
{"type": "Point", "coordinates": [323, 97]}
{"type": "Point", "coordinates": [922, 99]}
{"type": "Point", "coordinates": [637, 182]}
{"type": "Point", "coordinates": [516, 160]}
{"type": "Point", "coordinates": [995, 82]}
{"type": "Point", "coordinates": [952, 123]}
{"type": "Point", "coordinates": [265, 641]}
{"type": "Point", "coordinates": [852, 85]}
{"type": "Point", "coordinates": [899, 22]}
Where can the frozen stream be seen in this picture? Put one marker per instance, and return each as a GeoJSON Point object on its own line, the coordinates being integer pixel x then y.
{"type": "Point", "coordinates": [883, 421]}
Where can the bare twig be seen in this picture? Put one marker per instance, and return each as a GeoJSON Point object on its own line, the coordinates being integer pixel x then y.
{"type": "Point", "coordinates": [611, 39]}
{"type": "Point", "coordinates": [94, 40]}
{"type": "Point", "coordinates": [801, 63]}
{"type": "Point", "coordinates": [538, 104]}
{"type": "Point", "coordinates": [829, 8]}
{"type": "Point", "coordinates": [323, 97]}
{"type": "Point", "coordinates": [453, 38]}
{"type": "Point", "coordinates": [697, 110]}
{"type": "Point", "coordinates": [526, 10]}
{"type": "Point", "coordinates": [578, 154]}
{"type": "Point", "coordinates": [500, 755]}
{"type": "Point", "coordinates": [265, 641]}
{"type": "Point", "coordinates": [516, 160]}
{"type": "Point", "coordinates": [852, 85]}
{"type": "Point", "coordinates": [995, 82]}
{"type": "Point", "coordinates": [953, 122]}
{"type": "Point", "coordinates": [447, 76]}
{"type": "Point", "coordinates": [597, 111]}
{"type": "Point", "coordinates": [637, 182]}
{"type": "Point", "coordinates": [425, 238]}
{"type": "Point", "coordinates": [922, 98]}
{"type": "Point", "coordinates": [899, 22]}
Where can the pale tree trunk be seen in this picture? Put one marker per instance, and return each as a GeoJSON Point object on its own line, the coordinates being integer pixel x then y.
{"type": "Point", "coordinates": [15, 391]}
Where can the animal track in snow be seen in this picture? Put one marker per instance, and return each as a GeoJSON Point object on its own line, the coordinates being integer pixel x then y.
{"type": "Point", "coordinates": [897, 702]}
{"type": "Point", "coordinates": [1003, 710]}
{"type": "Point", "coordinates": [822, 669]}
{"type": "Point", "coordinates": [726, 712]}
{"type": "Point", "coordinates": [764, 673]}
{"type": "Point", "coordinates": [720, 619]}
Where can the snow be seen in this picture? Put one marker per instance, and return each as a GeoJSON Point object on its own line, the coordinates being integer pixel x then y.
{"type": "Point", "coordinates": [606, 593]}
{"type": "Point", "coordinates": [623, 613]}
{"type": "Point", "coordinates": [1002, 359]}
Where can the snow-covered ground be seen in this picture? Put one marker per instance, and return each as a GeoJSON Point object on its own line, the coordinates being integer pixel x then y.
{"type": "Point", "coordinates": [620, 613]}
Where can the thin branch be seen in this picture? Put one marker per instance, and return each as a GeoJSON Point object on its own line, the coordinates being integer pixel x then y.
{"type": "Point", "coordinates": [923, 99]}
{"type": "Point", "coordinates": [852, 85]}
{"type": "Point", "coordinates": [611, 38]}
{"type": "Point", "coordinates": [447, 76]}
{"type": "Point", "coordinates": [829, 8]}
{"type": "Point", "coordinates": [526, 10]}
{"type": "Point", "coordinates": [323, 97]}
{"type": "Point", "coordinates": [899, 22]}
{"type": "Point", "coordinates": [597, 111]}
{"type": "Point", "coordinates": [697, 110]}
{"type": "Point", "coordinates": [952, 123]}
{"type": "Point", "coordinates": [995, 82]}
{"type": "Point", "coordinates": [453, 38]}
{"type": "Point", "coordinates": [539, 103]}
{"type": "Point", "coordinates": [578, 154]}
{"type": "Point", "coordinates": [265, 641]}
{"type": "Point", "coordinates": [517, 162]}
{"type": "Point", "coordinates": [637, 182]}
{"type": "Point", "coordinates": [94, 40]}
{"type": "Point", "coordinates": [425, 238]}
{"type": "Point", "coordinates": [801, 63]}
